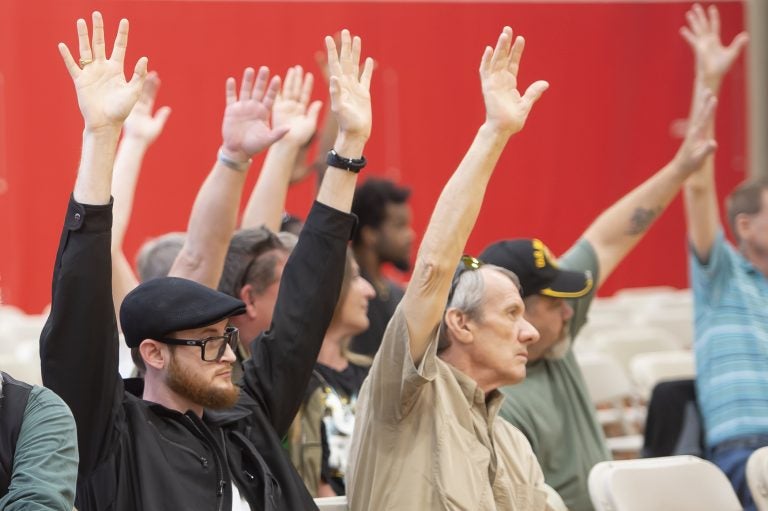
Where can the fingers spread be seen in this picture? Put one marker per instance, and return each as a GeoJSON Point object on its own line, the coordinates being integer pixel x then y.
{"type": "Point", "coordinates": [356, 49]}
{"type": "Point", "coordinates": [83, 42]}
{"type": "Point", "coordinates": [314, 110]}
{"type": "Point", "coordinates": [72, 67]}
{"type": "Point", "coordinates": [99, 51]}
{"type": "Point", "coordinates": [230, 91]}
{"type": "Point", "coordinates": [306, 89]}
{"type": "Point", "coordinates": [738, 43]}
{"type": "Point", "coordinates": [261, 83]}
{"type": "Point", "coordinates": [121, 42]}
{"type": "Point", "coordinates": [334, 66]}
{"type": "Point", "coordinates": [365, 78]}
{"type": "Point", "coordinates": [501, 53]}
{"type": "Point", "coordinates": [139, 73]}
{"type": "Point", "coordinates": [149, 92]}
{"type": "Point", "coordinates": [516, 54]}
{"type": "Point", "coordinates": [162, 115]}
{"type": "Point", "coordinates": [714, 19]}
{"type": "Point", "coordinates": [272, 90]}
{"type": "Point", "coordinates": [485, 61]}
{"type": "Point", "coordinates": [247, 84]}
{"type": "Point", "coordinates": [345, 55]}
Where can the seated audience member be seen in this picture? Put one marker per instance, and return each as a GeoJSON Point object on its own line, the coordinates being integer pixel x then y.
{"type": "Point", "coordinates": [322, 432]}
{"type": "Point", "coordinates": [552, 406]}
{"type": "Point", "coordinates": [730, 287]}
{"type": "Point", "coordinates": [383, 235]}
{"type": "Point", "coordinates": [426, 434]}
{"type": "Point", "coordinates": [190, 439]}
{"type": "Point", "coordinates": [38, 448]}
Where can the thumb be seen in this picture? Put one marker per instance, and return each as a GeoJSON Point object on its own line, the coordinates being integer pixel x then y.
{"type": "Point", "coordinates": [535, 90]}
{"type": "Point", "coordinates": [161, 116]}
{"type": "Point", "coordinates": [314, 111]}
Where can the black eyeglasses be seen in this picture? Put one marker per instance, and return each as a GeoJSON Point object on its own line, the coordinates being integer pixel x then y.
{"type": "Point", "coordinates": [211, 348]}
{"type": "Point", "coordinates": [467, 263]}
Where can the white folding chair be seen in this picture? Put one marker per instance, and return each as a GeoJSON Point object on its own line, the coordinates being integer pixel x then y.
{"type": "Point", "coordinates": [332, 503]}
{"type": "Point", "coordinates": [626, 342]}
{"type": "Point", "coordinates": [674, 483]}
{"type": "Point", "coordinates": [610, 389]}
{"type": "Point", "coordinates": [757, 477]}
{"type": "Point", "coordinates": [648, 369]}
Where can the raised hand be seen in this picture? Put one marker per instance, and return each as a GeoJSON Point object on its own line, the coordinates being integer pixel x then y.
{"type": "Point", "coordinates": [350, 89]}
{"type": "Point", "coordinates": [713, 59]}
{"type": "Point", "coordinates": [292, 109]}
{"type": "Point", "coordinates": [505, 108]}
{"type": "Point", "coordinates": [141, 124]}
{"type": "Point", "coordinates": [698, 142]}
{"type": "Point", "coordinates": [245, 128]}
{"type": "Point", "coordinates": [104, 96]}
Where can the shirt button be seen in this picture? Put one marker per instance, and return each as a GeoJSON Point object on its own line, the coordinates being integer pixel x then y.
{"type": "Point", "coordinates": [77, 216]}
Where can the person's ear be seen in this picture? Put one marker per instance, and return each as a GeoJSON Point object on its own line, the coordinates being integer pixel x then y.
{"type": "Point", "coordinates": [155, 354]}
{"type": "Point", "coordinates": [459, 327]}
{"type": "Point", "coordinates": [246, 297]}
{"type": "Point", "coordinates": [743, 226]}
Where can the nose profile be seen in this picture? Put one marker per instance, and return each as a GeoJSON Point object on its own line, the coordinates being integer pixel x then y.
{"type": "Point", "coordinates": [528, 332]}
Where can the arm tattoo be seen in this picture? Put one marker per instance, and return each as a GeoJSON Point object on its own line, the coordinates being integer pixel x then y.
{"type": "Point", "coordinates": [641, 219]}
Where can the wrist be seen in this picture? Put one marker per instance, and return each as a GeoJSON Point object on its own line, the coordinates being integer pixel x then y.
{"type": "Point", "coordinates": [349, 146]}
{"type": "Point", "coordinates": [495, 132]}
{"type": "Point", "coordinates": [239, 161]}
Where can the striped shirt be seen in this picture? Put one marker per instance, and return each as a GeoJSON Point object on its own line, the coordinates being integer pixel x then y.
{"type": "Point", "coordinates": [731, 324]}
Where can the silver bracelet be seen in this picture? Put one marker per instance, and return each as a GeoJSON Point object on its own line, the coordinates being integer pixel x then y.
{"type": "Point", "coordinates": [240, 166]}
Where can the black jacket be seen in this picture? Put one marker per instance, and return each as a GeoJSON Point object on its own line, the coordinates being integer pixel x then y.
{"type": "Point", "coordinates": [136, 455]}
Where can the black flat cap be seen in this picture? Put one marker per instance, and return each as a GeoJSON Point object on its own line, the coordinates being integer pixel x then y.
{"type": "Point", "coordinates": [170, 304]}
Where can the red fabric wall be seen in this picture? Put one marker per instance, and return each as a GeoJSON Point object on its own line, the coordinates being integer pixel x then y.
{"type": "Point", "coordinates": [620, 77]}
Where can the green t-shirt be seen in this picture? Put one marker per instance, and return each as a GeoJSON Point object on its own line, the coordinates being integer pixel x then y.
{"type": "Point", "coordinates": [552, 406]}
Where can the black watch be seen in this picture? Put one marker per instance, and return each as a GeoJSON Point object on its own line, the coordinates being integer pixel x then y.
{"type": "Point", "coordinates": [350, 164]}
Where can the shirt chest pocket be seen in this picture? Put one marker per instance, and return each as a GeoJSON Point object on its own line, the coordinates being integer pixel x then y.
{"type": "Point", "coordinates": [461, 470]}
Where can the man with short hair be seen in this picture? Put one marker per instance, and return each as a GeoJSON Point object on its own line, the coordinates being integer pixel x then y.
{"type": "Point", "coordinates": [552, 407]}
{"type": "Point", "coordinates": [730, 287]}
{"type": "Point", "coordinates": [179, 443]}
{"type": "Point", "coordinates": [426, 432]}
{"type": "Point", "coordinates": [383, 235]}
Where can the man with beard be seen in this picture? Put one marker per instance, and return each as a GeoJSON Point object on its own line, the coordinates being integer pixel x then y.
{"type": "Point", "coordinates": [383, 235]}
{"type": "Point", "coordinates": [190, 439]}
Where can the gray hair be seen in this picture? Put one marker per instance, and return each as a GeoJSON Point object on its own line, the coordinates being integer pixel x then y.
{"type": "Point", "coordinates": [157, 255]}
{"type": "Point", "coordinates": [468, 296]}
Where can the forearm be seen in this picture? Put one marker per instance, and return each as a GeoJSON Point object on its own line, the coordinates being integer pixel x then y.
{"type": "Point", "coordinates": [94, 176]}
{"type": "Point", "coordinates": [619, 228]}
{"type": "Point", "coordinates": [130, 155]}
{"type": "Point", "coordinates": [449, 228]}
{"type": "Point", "coordinates": [267, 201]}
{"type": "Point", "coordinates": [211, 224]}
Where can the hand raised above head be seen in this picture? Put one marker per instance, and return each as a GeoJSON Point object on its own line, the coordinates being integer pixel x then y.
{"type": "Point", "coordinates": [140, 123]}
{"type": "Point", "coordinates": [292, 109]}
{"type": "Point", "coordinates": [245, 128]}
{"type": "Point", "coordinates": [104, 96]}
{"type": "Point", "coordinates": [713, 59]}
{"type": "Point", "coordinates": [350, 89]}
{"type": "Point", "coordinates": [505, 108]}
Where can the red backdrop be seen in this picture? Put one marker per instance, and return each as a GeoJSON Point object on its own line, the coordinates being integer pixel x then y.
{"type": "Point", "coordinates": [620, 77]}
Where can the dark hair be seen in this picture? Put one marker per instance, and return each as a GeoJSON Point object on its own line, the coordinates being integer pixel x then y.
{"type": "Point", "coordinates": [745, 199]}
{"type": "Point", "coordinates": [370, 203]}
{"type": "Point", "coordinates": [157, 255]}
{"type": "Point", "coordinates": [251, 259]}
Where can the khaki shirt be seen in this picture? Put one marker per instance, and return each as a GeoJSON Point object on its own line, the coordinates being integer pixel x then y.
{"type": "Point", "coordinates": [425, 439]}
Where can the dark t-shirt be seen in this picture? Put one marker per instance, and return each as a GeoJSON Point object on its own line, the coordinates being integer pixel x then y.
{"type": "Point", "coordinates": [340, 395]}
{"type": "Point", "coordinates": [380, 310]}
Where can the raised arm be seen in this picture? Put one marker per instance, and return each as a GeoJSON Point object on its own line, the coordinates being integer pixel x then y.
{"type": "Point", "coordinates": [292, 110]}
{"type": "Point", "coordinates": [459, 203]}
{"type": "Point", "coordinates": [712, 60]}
{"type": "Point", "coordinates": [78, 345]}
{"type": "Point", "coordinates": [282, 360]}
{"type": "Point", "coordinates": [245, 132]}
{"type": "Point", "coordinates": [618, 229]}
{"type": "Point", "coordinates": [141, 129]}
